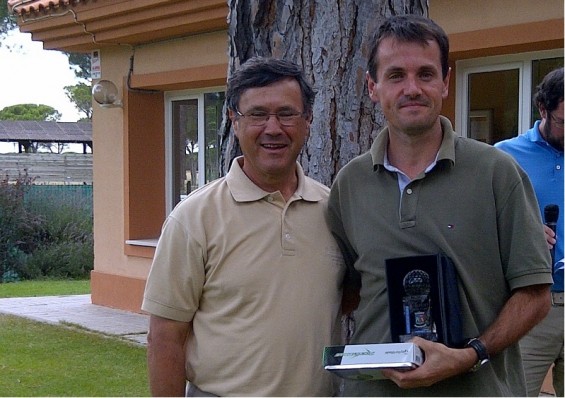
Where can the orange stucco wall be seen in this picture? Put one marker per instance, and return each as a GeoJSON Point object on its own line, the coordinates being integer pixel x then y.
{"type": "Point", "coordinates": [129, 165]}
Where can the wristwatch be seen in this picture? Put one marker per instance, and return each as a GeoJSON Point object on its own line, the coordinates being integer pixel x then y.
{"type": "Point", "coordinates": [481, 351]}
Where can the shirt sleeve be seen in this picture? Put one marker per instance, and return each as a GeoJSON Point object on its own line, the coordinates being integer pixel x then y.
{"type": "Point", "coordinates": [175, 282]}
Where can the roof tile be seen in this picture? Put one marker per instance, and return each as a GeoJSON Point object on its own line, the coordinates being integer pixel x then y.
{"type": "Point", "coordinates": [36, 6]}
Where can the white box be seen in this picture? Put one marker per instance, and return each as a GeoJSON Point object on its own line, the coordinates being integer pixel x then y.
{"type": "Point", "coordinates": [366, 361]}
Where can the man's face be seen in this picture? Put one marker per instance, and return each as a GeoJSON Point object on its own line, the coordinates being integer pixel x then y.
{"type": "Point", "coordinates": [551, 126]}
{"type": "Point", "coordinates": [409, 86]}
{"type": "Point", "coordinates": [270, 150]}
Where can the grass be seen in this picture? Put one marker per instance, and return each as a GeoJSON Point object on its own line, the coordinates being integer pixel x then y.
{"type": "Point", "coordinates": [38, 359]}
{"type": "Point", "coordinates": [37, 288]}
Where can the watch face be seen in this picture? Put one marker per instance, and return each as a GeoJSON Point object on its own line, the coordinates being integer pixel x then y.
{"type": "Point", "coordinates": [478, 365]}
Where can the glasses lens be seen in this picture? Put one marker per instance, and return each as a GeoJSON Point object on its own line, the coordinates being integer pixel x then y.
{"type": "Point", "coordinates": [288, 120]}
{"type": "Point", "coordinates": [284, 118]}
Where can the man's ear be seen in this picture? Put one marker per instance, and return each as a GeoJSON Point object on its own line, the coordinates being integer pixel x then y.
{"type": "Point", "coordinates": [542, 111]}
{"type": "Point", "coordinates": [232, 115]}
{"type": "Point", "coordinates": [371, 87]}
{"type": "Point", "coordinates": [446, 84]}
{"type": "Point", "coordinates": [234, 120]}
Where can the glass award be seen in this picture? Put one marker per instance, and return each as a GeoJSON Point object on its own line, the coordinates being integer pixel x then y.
{"type": "Point", "coordinates": [417, 307]}
{"type": "Point", "coordinates": [423, 299]}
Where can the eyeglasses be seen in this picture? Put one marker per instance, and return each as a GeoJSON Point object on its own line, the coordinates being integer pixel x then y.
{"type": "Point", "coordinates": [258, 118]}
{"type": "Point", "coordinates": [556, 121]}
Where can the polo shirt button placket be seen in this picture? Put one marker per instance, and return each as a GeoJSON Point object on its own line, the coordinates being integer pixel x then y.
{"type": "Point", "coordinates": [288, 244]}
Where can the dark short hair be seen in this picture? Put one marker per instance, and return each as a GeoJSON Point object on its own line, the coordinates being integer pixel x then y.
{"type": "Point", "coordinates": [409, 28]}
{"type": "Point", "coordinates": [263, 71]}
{"type": "Point", "coordinates": [549, 93]}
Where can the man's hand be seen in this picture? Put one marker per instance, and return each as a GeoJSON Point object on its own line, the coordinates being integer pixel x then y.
{"type": "Point", "coordinates": [440, 363]}
{"type": "Point", "coordinates": [530, 304]}
{"type": "Point", "coordinates": [549, 237]}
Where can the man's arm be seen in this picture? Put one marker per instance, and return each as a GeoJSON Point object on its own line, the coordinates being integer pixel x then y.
{"type": "Point", "coordinates": [524, 309]}
{"type": "Point", "coordinates": [166, 356]}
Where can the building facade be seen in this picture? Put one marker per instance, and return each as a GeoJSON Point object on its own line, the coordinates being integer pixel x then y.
{"type": "Point", "coordinates": [168, 60]}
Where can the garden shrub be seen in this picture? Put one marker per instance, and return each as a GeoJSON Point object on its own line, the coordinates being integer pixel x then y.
{"type": "Point", "coordinates": [60, 260]}
{"type": "Point", "coordinates": [43, 238]}
{"type": "Point", "coordinates": [20, 230]}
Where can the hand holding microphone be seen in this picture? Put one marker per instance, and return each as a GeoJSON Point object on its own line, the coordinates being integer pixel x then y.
{"type": "Point", "coordinates": [550, 215]}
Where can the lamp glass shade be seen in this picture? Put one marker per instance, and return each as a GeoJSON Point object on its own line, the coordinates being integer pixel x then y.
{"type": "Point", "coordinates": [105, 92]}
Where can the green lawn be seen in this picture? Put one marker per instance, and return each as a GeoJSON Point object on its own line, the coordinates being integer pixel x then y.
{"type": "Point", "coordinates": [44, 288]}
{"type": "Point", "coordinates": [39, 359]}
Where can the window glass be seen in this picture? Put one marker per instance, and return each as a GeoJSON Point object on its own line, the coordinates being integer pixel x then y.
{"type": "Point", "coordinates": [213, 105]}
{"type": "Point", "coordinates": [493, 105]}
{"type": "Point", "coordinates": [494, 94]}
{"type": "Point", "coordinates": [185, 147]}
{"type": "Point", "coordinates": [193, 151]}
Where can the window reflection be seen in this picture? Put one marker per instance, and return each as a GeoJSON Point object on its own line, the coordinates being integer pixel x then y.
{"type": "Point", "coordinates": [494, 112]}
{"type": "Point", "coordinates": [193, 167]}
{"type": "Point", "coordinates": [493, 105]}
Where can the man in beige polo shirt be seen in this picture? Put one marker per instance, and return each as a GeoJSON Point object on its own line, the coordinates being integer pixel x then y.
{"type": "Point", "coordinates": [244, 290]}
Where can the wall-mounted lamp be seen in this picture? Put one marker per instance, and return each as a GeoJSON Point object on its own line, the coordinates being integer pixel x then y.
{"type": "Point", "coordinates": [106, 94]}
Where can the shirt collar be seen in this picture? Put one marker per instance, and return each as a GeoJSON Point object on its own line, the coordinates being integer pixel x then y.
{"type": "Point", "coordinates": [534, 134]}
{"type": "Point", "coordinates": [446, 150]}
{"type": "Point", "coordinates": [244, 190]}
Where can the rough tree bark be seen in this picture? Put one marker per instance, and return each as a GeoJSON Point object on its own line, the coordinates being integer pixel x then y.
{"type": "Point", "coordinates": [330, 39]}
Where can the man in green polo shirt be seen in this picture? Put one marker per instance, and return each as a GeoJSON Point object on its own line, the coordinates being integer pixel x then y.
{"type": "Point", "coordinates": [424, 190]}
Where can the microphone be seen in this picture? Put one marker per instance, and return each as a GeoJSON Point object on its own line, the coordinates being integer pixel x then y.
{"type": "Point", "coordinates": [550, 215]}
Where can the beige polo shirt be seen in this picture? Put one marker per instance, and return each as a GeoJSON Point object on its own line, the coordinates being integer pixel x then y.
{"type": "Point", "coordinates": [260, 279]}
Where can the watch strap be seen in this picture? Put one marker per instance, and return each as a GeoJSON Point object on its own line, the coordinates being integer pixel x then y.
{"type": "Point", "coordinates": [481, 351]}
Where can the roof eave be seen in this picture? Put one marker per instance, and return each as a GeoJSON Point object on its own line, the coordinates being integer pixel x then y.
{"type": "Point", "coordinates": [82, 26]}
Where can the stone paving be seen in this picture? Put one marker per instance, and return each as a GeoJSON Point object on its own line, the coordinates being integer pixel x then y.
{"type": "Point", "coordinates": [79, 310]}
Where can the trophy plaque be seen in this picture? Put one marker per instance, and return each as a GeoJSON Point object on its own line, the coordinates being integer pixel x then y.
{"type": "Point", "coordinates": [424, 299]}
{"type": "Point", "coordinates": [366, 361]}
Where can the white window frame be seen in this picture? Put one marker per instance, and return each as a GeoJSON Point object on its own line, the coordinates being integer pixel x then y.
{"type": "Point", "coordinates": [171, 96]}
{"type": "Point", "coordinates": [522, 62]}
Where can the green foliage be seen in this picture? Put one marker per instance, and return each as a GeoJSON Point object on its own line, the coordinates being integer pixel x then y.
{"type": "Point", "coordinates": [7, 20]}
{"type": "Point", "coordinates": [80, 64]}
{"type": "Point", "coordinates": [42, 238]}
{"type": "Point", "coordinates": [46, 360]}
{"type": "Point", "coordinates": [66, 250]}
{"type": "Point", "coordinates": [67, 259]}
{"type": "Point", "coordinates": [20, 230]}
{"type": "Point", "coordinates": [81, 95]}
{"type": "Point", "coordinates": [30, 112]}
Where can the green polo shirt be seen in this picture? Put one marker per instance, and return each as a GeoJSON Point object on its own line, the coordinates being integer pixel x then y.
{"type": "Point", "coordinates": [476, 206]}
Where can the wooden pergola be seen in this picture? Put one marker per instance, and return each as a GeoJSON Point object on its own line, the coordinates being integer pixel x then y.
{"type": "Point", "coordinates": [27, 132]}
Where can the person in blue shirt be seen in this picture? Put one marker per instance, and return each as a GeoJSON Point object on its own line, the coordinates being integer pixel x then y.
{"type": "Point", "coordinates": [539, 151]}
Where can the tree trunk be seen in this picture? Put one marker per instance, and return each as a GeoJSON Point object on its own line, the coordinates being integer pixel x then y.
{"type": "Point", "coordinates": [330, 39]}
